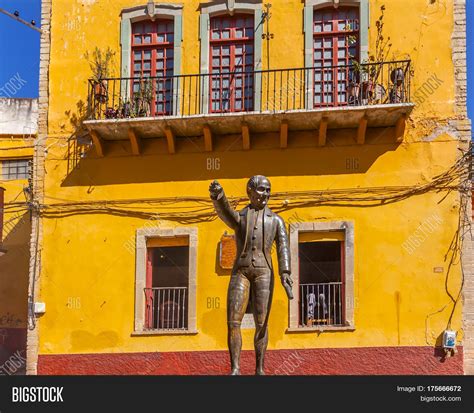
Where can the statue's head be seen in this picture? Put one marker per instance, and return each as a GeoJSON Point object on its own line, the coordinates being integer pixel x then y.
{"type": "Point", "coordinates": [258, 190]}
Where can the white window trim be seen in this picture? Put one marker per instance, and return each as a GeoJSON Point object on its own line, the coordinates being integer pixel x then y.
{"type": "Point", "coordinates": [364, 19]}
{"type": "Point", "coordinates": [142, 235]}
{"type": "Point", "coordinates": [338, 226]}
{"type": "Point", "coordinates": [208, 10]}
{"type": "Point", "coordinates": [139, 13]}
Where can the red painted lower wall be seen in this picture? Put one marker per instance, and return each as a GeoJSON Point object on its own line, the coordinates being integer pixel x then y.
{"type": "Point", "coordinates": [356, 361]}
{"type": "Point", "coordinates": [12, 351]}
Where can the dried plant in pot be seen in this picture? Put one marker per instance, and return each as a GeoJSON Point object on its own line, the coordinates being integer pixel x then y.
{"type": "Point", "coordinates": [367, 73]}
{"type": "Point", "coordinates": [101, 64]}
{"type": "Point", "coordinates": [143, 98]}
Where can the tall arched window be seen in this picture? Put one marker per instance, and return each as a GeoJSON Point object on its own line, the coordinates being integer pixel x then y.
{"type": "Point", "coordinates": [232, 63]}
{"type": "Point", "coordinates": [335, 44]}
{"type": "Point", "coordinates": [153, 57]}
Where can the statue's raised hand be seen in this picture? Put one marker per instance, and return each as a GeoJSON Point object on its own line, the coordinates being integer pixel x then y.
{"type": "Point", "coordinates": [215, 189]}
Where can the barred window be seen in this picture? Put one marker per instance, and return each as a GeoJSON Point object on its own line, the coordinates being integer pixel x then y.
{"type": "Point", "coordinates": [15, 169]}
{"type": "Point", "coordinates": [167, 283]}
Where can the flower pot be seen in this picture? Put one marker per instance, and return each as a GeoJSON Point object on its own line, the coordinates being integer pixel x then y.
{"type": "Point", "coordinates": [397, 76]}
{"type": "Point", "coordinates": [353, 93]}
{"type": "Point", "coordinates": [111, 113]}
{"type": "Point", "coordinates": [100, 91]}
{"type": "Point", "coordinates": [353, 90]}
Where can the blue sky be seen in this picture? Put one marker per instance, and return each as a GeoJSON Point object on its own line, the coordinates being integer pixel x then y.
{"type": "Point", "coordinates": [19, 48]}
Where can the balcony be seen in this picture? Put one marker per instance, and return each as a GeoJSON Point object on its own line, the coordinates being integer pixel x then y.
{"type": "Point", "coordinates": [358, 96]}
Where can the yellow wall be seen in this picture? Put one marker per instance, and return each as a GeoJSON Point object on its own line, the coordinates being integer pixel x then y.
{"type": "Point", "coordinates": [88, 274]}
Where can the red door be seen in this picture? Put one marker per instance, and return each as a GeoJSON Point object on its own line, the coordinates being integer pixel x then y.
{"type": "Point", "coordinates": [336, 43]}
{"type": "Point", "coordinates": [152, 57]}
{"type": "Point", "coordinates": [231, 55]}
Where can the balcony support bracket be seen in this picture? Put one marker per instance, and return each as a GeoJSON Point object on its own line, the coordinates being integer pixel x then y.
{"type": "Point", "coordinates": [284, 134]}
{"type": "Point", "coordinates": [135, 141]}
{"type": "Point", "coordinates": [361, 130]}
{"type": "Point", "coordinates": [170, 138]}
{"type": "Point", "coordinates": [245, 136]}
{"type": "Point", "coordinates": [323, 127]}
{"type": "Point", "coordinates": [206, 130]}
{"type": "Point", "coordinates": [400, 128]}
{"type": "Point", "coordinates": [98, 143]}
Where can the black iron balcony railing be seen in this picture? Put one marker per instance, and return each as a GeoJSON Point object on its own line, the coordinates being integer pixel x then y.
{"type": "Point", "coordinates": [322, 304]}
{"type": "Point", "coordinates": [166, 308]}
{"type": "Point", "coordinates": [253, 91]}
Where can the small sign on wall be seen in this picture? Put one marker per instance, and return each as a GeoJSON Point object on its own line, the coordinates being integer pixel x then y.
{"type": "Point", "coordinates": [227, 251]}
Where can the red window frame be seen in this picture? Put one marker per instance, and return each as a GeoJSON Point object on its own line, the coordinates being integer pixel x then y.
{"type": "Point", "coordinates": [152, 300]}
{"type": "Point", "coordinates": [148, 291]}
{"type": "Point", "coordinates": [330, 27]}
{"type": "Point", "coordinates": [231, 83]}
{"type": "Point", "coordinates": [343, 282]}
{"type": "Point", "coordinates": [154, 41]}
{"type": "Point", "coordinates": [342, 244]}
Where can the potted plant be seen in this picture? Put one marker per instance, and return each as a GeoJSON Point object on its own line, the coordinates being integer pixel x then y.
{"type": "Point", "coordinates": [144, 97]}
{"type": "Point", "coordinates": [397, 76]}
{"type": "Point", "coordinates": [367, 73]}
{"type": "Point", "coordinates": [101, 63]}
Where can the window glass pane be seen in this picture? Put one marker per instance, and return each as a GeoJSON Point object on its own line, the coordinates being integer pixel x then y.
{"type": "Point", "coordinates": [15, 169]}
{"type": "Point", "coordinates": [342, 26]}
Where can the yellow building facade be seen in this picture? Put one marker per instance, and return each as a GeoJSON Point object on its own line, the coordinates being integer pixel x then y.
{"type": "Point", "coordinates": [355, 111]}
{"type": "Point", "coordinates": [18, 118]}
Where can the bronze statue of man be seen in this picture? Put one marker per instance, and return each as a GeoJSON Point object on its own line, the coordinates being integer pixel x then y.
{"type": "Point", "coordinates": [256, 229]}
